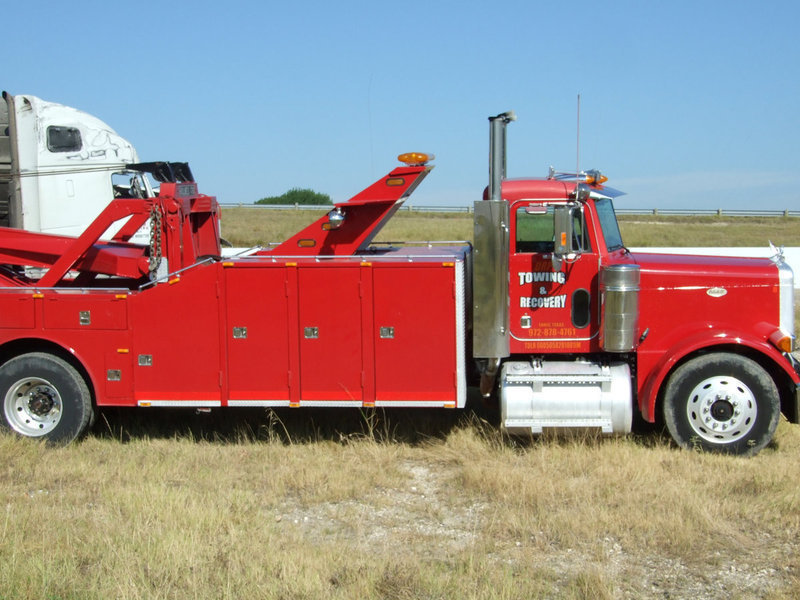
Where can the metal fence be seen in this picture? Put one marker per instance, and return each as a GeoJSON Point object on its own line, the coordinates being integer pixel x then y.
{"type": "Point", "coordinates": [720, 212]}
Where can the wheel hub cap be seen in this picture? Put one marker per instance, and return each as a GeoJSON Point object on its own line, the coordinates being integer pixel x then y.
{"type": "Point", "coordinates": [41, 400]}
{"type": "Point", "coordinates": [33, 406]}
{"type": "Point", "coordinates": [721, 409]}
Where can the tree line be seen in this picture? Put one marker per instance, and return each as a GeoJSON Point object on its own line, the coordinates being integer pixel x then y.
{"type": "Point", "coordinates": [297, 196]}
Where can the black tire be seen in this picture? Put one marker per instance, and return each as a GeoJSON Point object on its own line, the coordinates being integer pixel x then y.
{"type": "Point", "coordinates": [722, 402]}
{"type": "Point", "coordinates": [44, 397]}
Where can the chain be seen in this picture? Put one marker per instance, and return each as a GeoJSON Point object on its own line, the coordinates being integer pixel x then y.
{"type": "Point", "coordinates": [155, 239]}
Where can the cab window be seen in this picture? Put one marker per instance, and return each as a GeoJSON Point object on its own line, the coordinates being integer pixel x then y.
{"type": "Point", "coordinates": [63, 139]}
{"type": "Point", "coordinates": [580, 241]}
{"type": "Point", "coordinates": [534, 229]}
{"type": "Point", "coordinates": [536, 232]}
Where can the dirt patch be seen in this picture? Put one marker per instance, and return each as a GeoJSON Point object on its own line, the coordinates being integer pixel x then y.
{"type": "Point", "coordinates": [419, 518]}
{"type": "Point", "coordinates": [417, 510]}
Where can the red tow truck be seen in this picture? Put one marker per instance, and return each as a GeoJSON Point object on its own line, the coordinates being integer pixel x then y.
{"type": "Point", "coordinates": [548, 313]}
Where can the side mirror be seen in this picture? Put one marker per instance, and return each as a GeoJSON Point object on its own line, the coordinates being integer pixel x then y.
{"type": "Point", "coordinates": [562, 226]}
{"type": "Point", "coordinates": [565, 244]}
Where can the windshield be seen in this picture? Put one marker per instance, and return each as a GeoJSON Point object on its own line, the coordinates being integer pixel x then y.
{"type": "Point", "coordinates": [608, 222]}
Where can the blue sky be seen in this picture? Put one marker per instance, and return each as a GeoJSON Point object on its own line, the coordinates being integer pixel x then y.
{"type": "Point", "coordinates": [683, 104]}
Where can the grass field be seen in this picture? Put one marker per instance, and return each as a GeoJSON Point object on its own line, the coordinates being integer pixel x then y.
{"type": "Point", "coordinates": [396, 505]}
{"type": "Point", "coordinates": [251, 227]}
{"type": "Point", "coordinates": [298, 505]}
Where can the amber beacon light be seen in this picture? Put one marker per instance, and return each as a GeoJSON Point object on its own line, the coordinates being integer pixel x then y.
{"type": "Point", "coordinates": [415, 159]}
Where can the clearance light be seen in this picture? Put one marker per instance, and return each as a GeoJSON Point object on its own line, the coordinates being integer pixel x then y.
{"type": "Point", "coordinates": [415, 159]}
{"type": "Point", "coordinates": [595, 178]}
{"type": "Point", "coordinates": [781, 341]}
{"type": "Point", "coordinates": [306, 243]}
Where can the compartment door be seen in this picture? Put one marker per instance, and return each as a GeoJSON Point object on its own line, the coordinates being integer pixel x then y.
{"type": "Point", "coordinates": [416, 346]}
{"type": "Point", "coordinates": [331, 355]}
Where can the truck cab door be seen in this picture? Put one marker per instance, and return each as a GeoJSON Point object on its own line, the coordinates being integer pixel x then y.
{"type": "Point", "coordinates": [554, 302]}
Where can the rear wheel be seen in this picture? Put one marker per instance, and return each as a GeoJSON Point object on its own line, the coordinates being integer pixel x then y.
{"type": "Point", "coordinates": [44, 397]}
{"type": "Point", "coordinates": [722, 402]}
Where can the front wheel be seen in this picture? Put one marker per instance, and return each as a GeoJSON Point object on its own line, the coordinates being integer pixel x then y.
{"type": "Point", "coordinates": [723, 403]}
{"type": "Point", "coordinates": [44, 397]}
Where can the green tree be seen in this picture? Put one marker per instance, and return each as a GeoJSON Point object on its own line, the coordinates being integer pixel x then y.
{"type": "Point", "coordinates": [298, 196]}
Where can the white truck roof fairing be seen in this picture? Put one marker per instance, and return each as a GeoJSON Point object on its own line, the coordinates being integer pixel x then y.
{"type": "Point", "coordinates": [65, 158]}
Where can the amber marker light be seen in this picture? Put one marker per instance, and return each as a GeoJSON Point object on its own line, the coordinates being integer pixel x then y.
{"type": "Point", "coordinates": [415, 159]}
{"type": "Point", "coordinates": [595, 178]}
{"type": "Point", "coordinates": [781, 341]}
{"type": "Point", "coordinates": [306, 243]}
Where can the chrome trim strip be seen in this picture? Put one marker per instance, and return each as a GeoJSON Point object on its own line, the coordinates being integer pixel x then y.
{"type": "Point", "coordinates": [180, 403]}
{"type": "Point", "coordinates": [414, 403]}
{"type": "Point", "coordinates": [339, 403]}
{"type": "Point", "coordinates": [259, 403]}
{"type": "Point", "coordinates": [786, 277]}
{"type": "Point", "coordinates": [461, 308]}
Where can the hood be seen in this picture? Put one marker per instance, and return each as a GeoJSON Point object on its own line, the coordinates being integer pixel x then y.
{"type": "Point", "coordinates": [677, 270]}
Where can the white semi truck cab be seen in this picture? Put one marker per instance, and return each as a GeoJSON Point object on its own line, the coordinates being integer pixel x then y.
{"type": "Point", "coordinates": [60, 167]}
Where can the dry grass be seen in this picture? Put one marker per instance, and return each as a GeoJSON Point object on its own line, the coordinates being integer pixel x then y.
{"type": "Point", "coordinates": [250, 227]}
{"type": "Point", "coordinates": [360, 507]}
{"type": "Point", "coordinates": [709, 231]}
{"type": "Point", "coordinates": [260, 227]}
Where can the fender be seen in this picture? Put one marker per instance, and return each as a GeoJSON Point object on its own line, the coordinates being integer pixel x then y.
{"type": "Point", "coordinates": [57, 347]}
{"type": "Point", "coordinates": [705, 340]}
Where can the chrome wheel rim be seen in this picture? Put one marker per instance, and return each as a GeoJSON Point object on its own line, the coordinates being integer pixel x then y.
{"type": "Point", "coordinates": [721, 409]}
{"type": "Point", "coordinates": [33, 406]}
